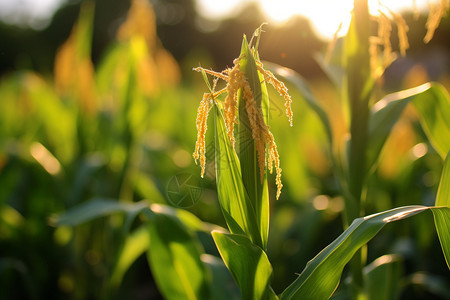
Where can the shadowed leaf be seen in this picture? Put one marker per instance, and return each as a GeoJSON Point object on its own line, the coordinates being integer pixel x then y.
{"type": "Point", "coordinates": [432, 103]}
{"type": "Point", "coordinates": [247, 262]}
{"type": "Point", "coordinates": [174, 258]}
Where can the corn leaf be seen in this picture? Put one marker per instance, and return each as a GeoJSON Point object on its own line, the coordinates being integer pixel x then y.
{"type": "Point", "coordinates": [442, 222]}
{"type": "Point", "coordinates": [248, 264]}
{"type": "Point", "coordinates": [442, 217]}
{"type": "Point", "coordinates": [233, 197]}
{"type": "Point", "coordinates": [223, 286]}
{"type": "Point", "coordinates": [174, 258]}
{"type": "Point", "coordinates": [136, 243]}
{"type": "Point", "coordinates": [246, 149]}
{"type": "Point", "coordinates": [443, 193]}
{"type": "Point", "coordinates": [432, 103]}
{"type": "Point", "coordinates": [262, 206]}
{"type": "Point", "coordinates": [303, 88]}
{"type": "Point", "coordinates": [434, 107]}
{"type": "Point", "coordinates": [383, 117]}
{"type": "Point", "coordinates": [382, 278]}
{"type": "Point", "coordinates": [96, 208]}
{"type": "Point", "coordinates": [321, 275]}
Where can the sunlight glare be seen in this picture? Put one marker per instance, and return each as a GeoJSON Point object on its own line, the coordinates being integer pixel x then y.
{"type": "Point", "coordinates": [325, 15]}
{"type": "Point", "coordinates": [35, 14]}
{"type": "Point", "coordinates": [220, 9]}
{"type": "Point", "coordinates": [419, 150]}
{"type": "Point", "coordinates": [45, 158]}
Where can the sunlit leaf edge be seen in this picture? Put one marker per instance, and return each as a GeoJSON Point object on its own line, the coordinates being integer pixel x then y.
{"type": "Point", "coordinates": [321, 275]}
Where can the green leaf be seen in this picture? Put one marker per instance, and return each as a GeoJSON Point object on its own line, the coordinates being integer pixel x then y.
{"type": "Point", "coordinates": [442, 223]}
{"type": "Point", "coordinates": [101, 207]}
{"type": "Point", "coordinates": [188, 219]}
{"type": "Point", "coordinates": [223, 286]}
{"type": "Point", "coordinates": [434, 107]}
{"type": "Point", "coordinates": [256, 189]}
{"type": "Point", "coordinates": [442, 217]}
{"type": "Point", "coordinates": [302, 86]}
{"type": "Point", "coordinates": [262, 206]}
{"type": "Point", "coordinates": [384, 115]}
{"type": "Point", "coordinates": [233, 197]}
{"type": "Point", "coordinates": [321, 275]}
{"type": "Point", "coordinates": [383, 277]}
{"type": "Point", "coordinates": [443, 193]}
{"type": "Point", "coordinates": [174, 258]}
{"type": "Point", "coordinates": [138, 241]}
{"type": "Point", "coordinates": [248, 264]}
{"type": "Point", "coordinates": [96, 208]}
{"type": "Point", "coordinates": [134, 246]}
{"type": "Point", "coordinates": [432, 102]}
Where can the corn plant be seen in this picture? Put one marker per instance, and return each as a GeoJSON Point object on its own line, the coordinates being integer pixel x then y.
{"type": "Point", "coordinates": [245, 153]}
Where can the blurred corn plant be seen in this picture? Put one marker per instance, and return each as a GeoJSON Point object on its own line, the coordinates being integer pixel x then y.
{"type": "Point", "coordinates": [87, 132]}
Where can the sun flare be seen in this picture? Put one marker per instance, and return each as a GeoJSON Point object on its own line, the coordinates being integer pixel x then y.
{"type": "Point", "coordinates": [325, 15]}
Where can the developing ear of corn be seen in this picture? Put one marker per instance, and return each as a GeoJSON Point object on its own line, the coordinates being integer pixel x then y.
{"type": "Point", "coordinates": [239, 89]}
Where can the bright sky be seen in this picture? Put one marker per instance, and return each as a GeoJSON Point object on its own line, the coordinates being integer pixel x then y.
{"type": "Point", "coordinates": [326, 15]}
{"type": "Point", "coordinates": [32, 13]}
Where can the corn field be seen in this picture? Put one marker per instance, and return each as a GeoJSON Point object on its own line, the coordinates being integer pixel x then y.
{"type": "Point", "coordinates": [127, 178]}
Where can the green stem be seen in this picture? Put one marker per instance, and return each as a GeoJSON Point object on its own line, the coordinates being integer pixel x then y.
{"type": "Point", "coordinates": [358, 91]}
{"type": "Point", "coordinates": [123, 185]}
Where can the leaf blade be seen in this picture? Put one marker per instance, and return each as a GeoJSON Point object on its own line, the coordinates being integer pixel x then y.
{"type": "Point", "coordinates": [321, 275]}
{"type": "Point", "coordinates": [223, 285]}
{"type": "Point", "coordinates": [383, 277]}
{"type": "Point", "coordinates": [432, 102]}
{"type": "Point", "coordinates": [434, 108]}
{"type": "Point", "coordinates": [174, 258]}
{"type": "Point", "coordinates": [443, 193]}
{"type": "Point", "coordinates": [256, 188]}
{"type": "Point", "coordinates": [247, 262]}
{"type": "Point", "coordinates": [134, 246]}
{"type": "Point", "coordinates": [442, 222]}
{"type": "Point", "coordinates": [96, 208]}
{"type": "Point", "coordinates": [232, 195]}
